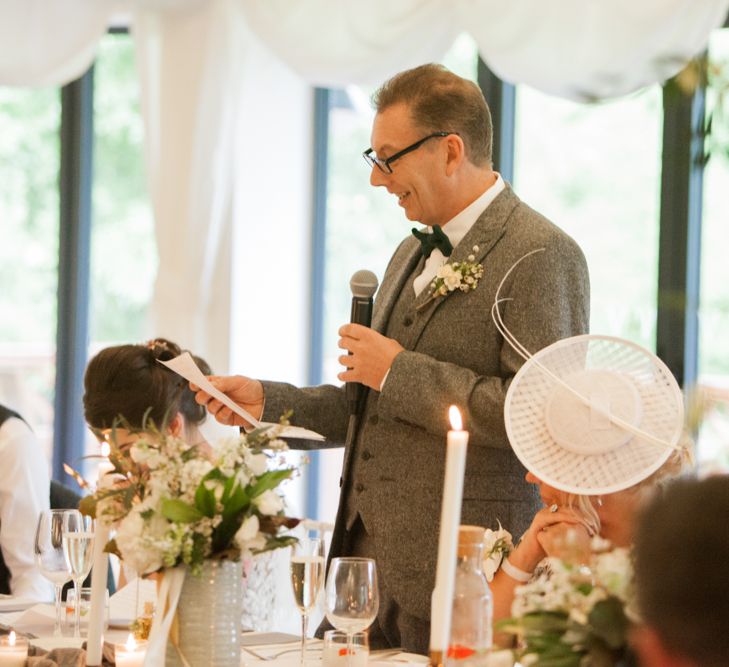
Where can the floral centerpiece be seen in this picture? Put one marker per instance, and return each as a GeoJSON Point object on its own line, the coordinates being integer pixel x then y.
{"type": "Point", "coordinates": [173, 503]}
{"type": "Point", "coordinates": [184, 509]}
{"type": "Point", "coordinates": [576, 615]}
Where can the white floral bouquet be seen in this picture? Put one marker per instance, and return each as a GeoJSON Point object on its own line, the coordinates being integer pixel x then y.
{"type": "Point", "coordinates": [575, 615]}
{"type": "Point", "coordinates": [173, 503]}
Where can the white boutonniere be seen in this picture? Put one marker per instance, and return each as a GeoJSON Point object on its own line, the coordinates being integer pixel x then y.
{"type": "Point", "coordinates": [463, 276]}
{"type": "Point", "coordinates": [497, 545]}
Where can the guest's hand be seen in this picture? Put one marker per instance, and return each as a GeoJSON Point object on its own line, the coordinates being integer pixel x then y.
{"type": "Point", "coordinates": [246, 392]}
{"type": "Point", "coordinates": [548, 526]}
{"type": "Point", "coordinates": [371, 355]}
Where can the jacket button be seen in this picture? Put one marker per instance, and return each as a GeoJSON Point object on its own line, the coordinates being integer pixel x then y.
{"type": "Point", "coordinates": [359, 487]}
{"type": "Point", "coordinates": [407, 321]}
{"type": "Point", "coordinates": [366, 455]}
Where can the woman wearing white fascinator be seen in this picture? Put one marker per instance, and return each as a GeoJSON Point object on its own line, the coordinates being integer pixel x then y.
{"type": "Point", "coordinates": [598, 422]}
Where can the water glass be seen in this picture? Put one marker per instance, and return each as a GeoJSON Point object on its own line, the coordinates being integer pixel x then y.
{"type": "Point", "coordinates": [340, 652]}
{"type": "Point", "coordinates": [85, 606]}
{"type": "Point", "coordinates": [49, 556]}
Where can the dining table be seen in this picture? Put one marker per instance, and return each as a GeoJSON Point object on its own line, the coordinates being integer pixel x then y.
{"type": "Point", "coordinates": [258, 649]}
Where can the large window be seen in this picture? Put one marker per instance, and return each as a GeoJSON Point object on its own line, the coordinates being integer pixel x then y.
{"type": "Point", "coordinates": [714, 301]}
{"type": "Point", "coordinates": [595, 171]}
{"type": "Point", "coordinates": [123, 250]}
{"type": "Point", "coordinates": [123, 256]}
{"type": "Point", "coordinates": [29, 161]}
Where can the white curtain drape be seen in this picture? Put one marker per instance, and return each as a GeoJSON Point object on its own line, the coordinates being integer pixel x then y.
{"type": "Point", "coordinates": [188, 63]}
{"type": "Point", "coordinates": [198, 89]}
{"type": "Point", "coordinates": [577, 49]}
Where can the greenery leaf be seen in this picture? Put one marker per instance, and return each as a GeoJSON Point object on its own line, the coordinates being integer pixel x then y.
{"type": "Point", "coordinates": [179, 511]}
{"type": "Point", "coordinates": [609, 622]}
{"type": "Point", "coordinates": [270, 480]}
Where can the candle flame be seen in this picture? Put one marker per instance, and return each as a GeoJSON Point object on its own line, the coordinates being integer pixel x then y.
{"type": "Point", "coordinates": [131, 644]}
{"type": "Point", "coordinates": [455, 417]}
{"type": "Point", "coordinates": [11, 638]}
{"type": "Point", "coordinates": [105, 449]}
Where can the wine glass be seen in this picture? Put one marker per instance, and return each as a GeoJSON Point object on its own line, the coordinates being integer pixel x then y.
{"type": "Point", "coordinates": [307, 577]}
{"type": "Point", "coordinates": [49, 556]}
{"type": "Point", "coordinates": [78, 547]}
{"type": "Point", "coordinates": [351, 595]}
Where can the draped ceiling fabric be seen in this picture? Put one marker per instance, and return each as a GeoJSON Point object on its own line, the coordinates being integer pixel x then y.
{"type": "Point", "coordinates": [191, 61]}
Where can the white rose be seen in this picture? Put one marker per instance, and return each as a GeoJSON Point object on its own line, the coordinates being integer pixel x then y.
{"type": "Point", "coordinates": [269, 502]}
{"type": "Point", "coordinates": [258, 463]}
{"type": "Point", "coordinates": [248, 538]}
{"type": "Point", "coordinates": [135, 549]}
{"type": "Point", "coordinates": [248, 529]}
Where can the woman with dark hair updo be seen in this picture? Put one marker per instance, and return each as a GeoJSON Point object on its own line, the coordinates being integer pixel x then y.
{"type": "Point", "coordinates": [127, 382]}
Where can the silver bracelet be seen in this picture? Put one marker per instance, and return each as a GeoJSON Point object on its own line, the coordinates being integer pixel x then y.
{"type": "Point", "coordinates": [515, 572]}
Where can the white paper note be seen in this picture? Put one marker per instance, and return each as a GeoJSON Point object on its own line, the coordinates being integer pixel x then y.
{"type": "Point", "coordinates": [185, 366]}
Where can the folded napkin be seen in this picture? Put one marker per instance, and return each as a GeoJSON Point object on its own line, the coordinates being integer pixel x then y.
{"type": "Point", "coordinates": [60, 657]}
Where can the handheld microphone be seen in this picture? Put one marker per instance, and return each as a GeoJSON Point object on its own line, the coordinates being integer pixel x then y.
{"type": "Point", "coordinates": [363, 285]}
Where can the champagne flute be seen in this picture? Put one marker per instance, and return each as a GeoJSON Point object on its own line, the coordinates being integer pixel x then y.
{"type": "Point", "coordinates": [352, 596]}
{"type": "Point", "coordinates": [307, 577]}
{"type": "Point", "coordinates": [49, 556]}
{"type": "Point", "coordinates": [78, 547]}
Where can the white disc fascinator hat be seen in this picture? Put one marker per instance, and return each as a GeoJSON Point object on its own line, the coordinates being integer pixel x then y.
{"type": "Point", "coordinates": [592, 414]}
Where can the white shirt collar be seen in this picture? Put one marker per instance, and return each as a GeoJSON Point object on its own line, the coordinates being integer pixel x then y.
{"type": "Point", "coordinates": [459, 225]}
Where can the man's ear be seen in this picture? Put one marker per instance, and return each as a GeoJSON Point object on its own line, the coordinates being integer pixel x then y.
{"type": "Point", "coordinates": [456, 153]}
{"type": "Point", "coordinates": [653, 652]}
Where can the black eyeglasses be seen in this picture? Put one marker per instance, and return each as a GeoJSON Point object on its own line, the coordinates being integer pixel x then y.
{"type": "Point", "coordinates": [384, 165]}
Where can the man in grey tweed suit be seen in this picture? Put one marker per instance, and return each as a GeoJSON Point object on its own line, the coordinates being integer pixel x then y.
{"type": "Point", "coordinates": [431, 148]}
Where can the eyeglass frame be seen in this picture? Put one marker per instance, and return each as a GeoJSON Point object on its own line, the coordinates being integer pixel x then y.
{"type": "Point", "coordinates": [384, 165]}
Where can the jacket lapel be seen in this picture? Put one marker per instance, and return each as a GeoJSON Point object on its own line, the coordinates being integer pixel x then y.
{"type": "Point", "coordinates": [401, 267]}
{"type": "Point", "coordinates": [485, 233]}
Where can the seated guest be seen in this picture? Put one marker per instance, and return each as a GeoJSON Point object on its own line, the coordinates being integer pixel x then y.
{"type": "Point", "coordinates": [566, 524]}
{"type": "Point", "coordinates": [128, 381]}
{"type": "Point", "coordinates": [682, 584]}
{"type": "Point", "coordinates": [598, 423]}
{"type": "Point", "coordinates": [24, 494]}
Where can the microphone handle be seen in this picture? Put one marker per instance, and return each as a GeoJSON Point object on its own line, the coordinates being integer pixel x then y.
{"type": "Point", "coordinates": [361, 314]}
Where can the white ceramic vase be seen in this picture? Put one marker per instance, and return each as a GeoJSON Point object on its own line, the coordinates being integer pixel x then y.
{"type": "Point", "coordinates": [209, 617]}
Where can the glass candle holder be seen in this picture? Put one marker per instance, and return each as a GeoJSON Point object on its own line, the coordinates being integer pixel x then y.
{"type": "Point", "coordinates": [13, 650]}
{"type": "Point", "coordinates": [130, 654]}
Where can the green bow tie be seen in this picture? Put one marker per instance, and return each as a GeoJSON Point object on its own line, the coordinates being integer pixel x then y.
{"type": "Point", "coordinates": [438, 239]}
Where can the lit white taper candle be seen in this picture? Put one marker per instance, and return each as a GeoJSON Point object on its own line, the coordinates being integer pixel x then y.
{"type": "Point", "coordinates": [99, 572]}
{"type": "Point", "coordinates": [450, 519]}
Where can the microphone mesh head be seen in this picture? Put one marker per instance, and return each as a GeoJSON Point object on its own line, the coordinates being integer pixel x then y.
{"type": "Point", "coordinates": [363, 284]}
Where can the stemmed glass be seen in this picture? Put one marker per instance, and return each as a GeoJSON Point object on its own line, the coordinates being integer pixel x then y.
{"type": "Point", "coordinates": [307, 578]}
{"type": "Point", "coordinates": [49, 556]}
{"type": "Point", "coordinates": [352, 596]}
{"type": "Point", "coordinates": [78, 547]}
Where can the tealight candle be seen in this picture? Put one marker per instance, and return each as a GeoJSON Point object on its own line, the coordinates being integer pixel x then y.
{"type": "Point", "coordinates": [130, 654]}
{"type": "Point", "coordinates": [13, 650]}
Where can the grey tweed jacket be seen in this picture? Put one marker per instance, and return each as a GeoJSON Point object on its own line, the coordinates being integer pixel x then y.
{"type": "Point", "coordinates": [393, 472]}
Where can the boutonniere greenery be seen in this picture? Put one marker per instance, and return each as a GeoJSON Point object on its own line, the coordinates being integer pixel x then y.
{"type": "Point", "coordinates": [463, 276]}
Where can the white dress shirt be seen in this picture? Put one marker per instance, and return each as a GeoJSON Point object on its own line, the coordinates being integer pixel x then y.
{"type": "Point", "coordinates": [455, 229]}
{"type": "Point", "coordinates": [24, 493]}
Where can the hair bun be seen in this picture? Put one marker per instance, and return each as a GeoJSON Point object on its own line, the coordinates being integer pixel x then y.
{"type": "Point", "coordinates": [162, 349]}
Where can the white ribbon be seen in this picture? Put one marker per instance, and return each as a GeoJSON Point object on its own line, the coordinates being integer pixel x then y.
{"type": "Point", "coordinates": [167, 599]}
